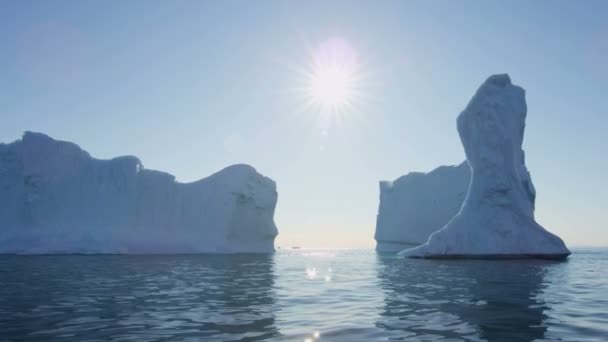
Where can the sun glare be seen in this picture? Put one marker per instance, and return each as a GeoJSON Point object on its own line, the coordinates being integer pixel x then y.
{"type": "Point", "coordinates": [333, 76]}
{"type": "Point", "coordinates": [331, 86]}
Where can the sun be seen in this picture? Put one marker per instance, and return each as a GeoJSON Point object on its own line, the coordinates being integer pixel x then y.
{"type": "Point", "coordinates": [332, 86]}
{"type": "Point", "coordinates": [333, 77]}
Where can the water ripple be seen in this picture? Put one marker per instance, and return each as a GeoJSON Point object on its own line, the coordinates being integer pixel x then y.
{"type": "Point", "coordinates": [304, 295]}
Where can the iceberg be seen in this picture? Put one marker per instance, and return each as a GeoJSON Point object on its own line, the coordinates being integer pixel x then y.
{"type": "Point", "coordinates": [497, 217]}
{"type": "Point", "coordinates": [418, 204]}
{"type": "Point", "coordinates": [56, 198]}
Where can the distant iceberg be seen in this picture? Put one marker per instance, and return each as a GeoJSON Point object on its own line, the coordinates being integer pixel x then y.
{"type": "Point", "coordinates": [56, 198]}
{"type": "Point", "coordinates": [418, 204]}
{"type": "Point", "coordinates": [497, 217]}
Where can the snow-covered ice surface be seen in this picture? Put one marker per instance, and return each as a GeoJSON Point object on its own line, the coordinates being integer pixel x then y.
{"type": "Point", "coordinates": [56, 198]}
{"type": "Point", "coordinates": [497, 217]}
{"type": "Point", "coordinates": [418, 204]}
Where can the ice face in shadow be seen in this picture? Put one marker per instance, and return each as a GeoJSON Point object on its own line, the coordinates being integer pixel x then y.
{"type": "Point", "coordinates": [468, 299]}
{"type": "Point", "coordinates": [56, 198]}
{"type": "Point", "coordinates": [418, 204]}
{"type": "Point", "coordinates": [497, 216]}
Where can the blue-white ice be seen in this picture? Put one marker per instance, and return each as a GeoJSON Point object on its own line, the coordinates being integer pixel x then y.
{"type": "Point", "coordinates": [418, 204]}
{"type": "Point", "coordinates": [497, 216]}
{"type": "Point", "coordinates": [56, 198]}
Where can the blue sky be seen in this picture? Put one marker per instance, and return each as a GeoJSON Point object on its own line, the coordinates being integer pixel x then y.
{"type": "Point", "coordinates": [193, 86]}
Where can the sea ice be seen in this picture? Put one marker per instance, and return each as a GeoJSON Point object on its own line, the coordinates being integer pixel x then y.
{"type": "Point", "coordinates": [497, 217]}
{"type": "Point", "coordinates": [418, 204]}
{"type": "Point", "coordinates": [56, 198]}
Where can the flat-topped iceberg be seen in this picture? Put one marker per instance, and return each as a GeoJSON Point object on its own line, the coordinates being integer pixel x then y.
{"type": "Point", "coordinates": [418, 204]}
{"type": "Point", "coordinates": [56, 198]}
{"type": "Point", "coordinates": [497, 217]}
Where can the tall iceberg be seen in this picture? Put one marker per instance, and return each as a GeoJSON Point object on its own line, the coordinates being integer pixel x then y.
{"type": "Point", "coordinates": [497, 217]}
{"type": "Point", "coordinates": [418, 204]}
{"type": "Point", "coordinates": [56, 198]}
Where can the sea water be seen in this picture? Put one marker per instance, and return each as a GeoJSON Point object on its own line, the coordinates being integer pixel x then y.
{"type": "Point", "coordinates": [302, 295]}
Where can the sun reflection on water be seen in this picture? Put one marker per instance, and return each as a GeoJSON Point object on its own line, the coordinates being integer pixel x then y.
{"type": "Point", "coordinates": [311, 273]}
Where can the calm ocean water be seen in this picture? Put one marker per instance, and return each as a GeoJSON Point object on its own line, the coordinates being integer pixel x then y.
{"type": "Point", "coordinates": [302, 295]}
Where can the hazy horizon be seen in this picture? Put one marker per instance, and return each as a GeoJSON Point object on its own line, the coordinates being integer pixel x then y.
{"type": "Point", "coordinates": [193, 87]}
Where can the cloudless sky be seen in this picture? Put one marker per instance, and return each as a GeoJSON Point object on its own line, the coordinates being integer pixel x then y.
{"type": "Point", "coordinates": [193, 86]}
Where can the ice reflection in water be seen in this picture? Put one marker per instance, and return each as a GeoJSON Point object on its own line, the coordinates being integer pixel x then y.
{"type": "Point", "coordinates": [143, 297]}
{"type": "Point", "coordinates": [477, 300]}
{"type": "Point", "coordinates": [353, 296]}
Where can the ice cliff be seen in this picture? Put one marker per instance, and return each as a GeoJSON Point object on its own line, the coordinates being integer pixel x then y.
{"type": "Point", "coordinates": [497, 217]}
{"type": "Point", "coordinates": [56, 198]}
{"type": "Point", "coordinates": [418, 204]}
